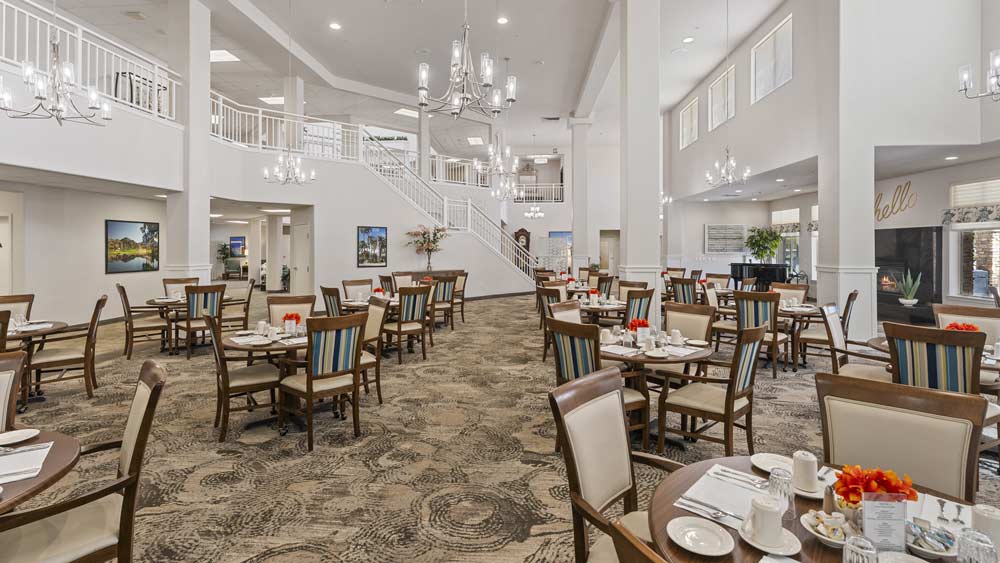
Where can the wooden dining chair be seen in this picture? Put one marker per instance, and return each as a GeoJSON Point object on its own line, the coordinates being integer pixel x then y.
{"type": "Point", "coordinates": [141, 322]}
{"type": "Point", "coordinates": [721, 281]}
{"type": "Point", "coordinates": [933, 434]}
{"type": "Point", "coordinates": [758, 308]}
{"type": "Point", "coordinates": [987, 319]}
{"type": "Point", "coordinates": [684, 290]}
{"type": "Point", "coordinates": [593, 277]}
{"type": "Point", "coordinates": [549, 296]}
{"type": "Point", "coordinates": [675, 272]}
{"type": "Point", "coordinates": [401, 280]}
{"type": "Point", "coordinates": [815, 335]}
{"type": "Point", "coordinates": [560, 285]}
{"type": "Point", "coordinates": [637, 305]}
{"type": "Point", "coordinates": [748, 284]}
{"type": "Point", "coordinates": [716, 400]}
{"type": "Point", "coordinates": [332, 369]}
{"type": "Point", "coordinates": [629, 548]}
{"type": "Point", "coordinates": [280, 305]}
{"type": "Point", "coordinates": [593, 438]}
{"type": "Point", "coordinates": [840, 354]}
{"type": "Point", "coordinates": [12, 366]}
{"type": "Point", "coordinates": [567, 311]}
{"type": "Point", "coordinates": [18, 304]}
{"type": "Point", "coordinates": [378, 312]}
{"type": "Point", "coordinates": [98, 525]}
{"type": "Point", "coordinates": [331, 301]}
{"type": "Point", "coordinates": [412, 320]}
{"type": "Point", "coordinates": [604, 284]}
{"type": "Point", "coordinates": [387, 284]}
{"type": "Point", "coordinates": [431, 306]}
{"type": "Point", "coordinates": [49, 359]}
{"type": "Point", "coordinates": [996, 296]}
{"type": "Point", "coordinates": [241, 320]}
{"type": "Point", "coordinates": [695, 322]}
{"type": "Point", "coordinates": [174, 287]}
{"type": "Point", "coordinates": [695, 275]}
{"type": "Point", "coordinates": [357, 290]}
{"type": "Point", "coordinates": [625, 286]}
{"type": "Point", "coordinates": [460, 283]}
{"type": "Point", "coordinates": [201, 300]}
{"type": "Point", "coordinates": [444, 299]}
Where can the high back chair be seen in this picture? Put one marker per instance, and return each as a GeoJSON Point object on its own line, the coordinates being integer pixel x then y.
{"type": "Point", "coordinates": [567, 311]}
{"type": "Point", "coordinates": [12, 366]}
{"type": "Point", "coordinates": [845, 317]}
{"type": "Point", "coordinates": [815, 335]}
{"type": "Point", "coordinates": [386, 282]}
{"type": "Point", "coordinates": [748, 284]}
{"type": "Point", "coordinates": [583, 273]}
{"type": "Point", "coordinates": [946, 360]}
{"type": "Point", "coordinates": [560, 285]}
{"type": "Point", "coordinates": [604, 284]}
{"type": "Point", "coordinates": [48, 359]}
{"type": "Point", "coordinates": [402, 280]}
{"type": "Point", "coordinates": [593, 438]}
{"type": "Point", "coordinates": [463, 279]}
{"type": "Point", "coordinates": [949, 426]}
{"type": "Point", "coordinates": [675, 272]}
{"type": "Point", "coordinates": [716, 400]}
{"type": "Point", "coordinates": [721, 281]}
{"type": "Point", "coordinates": [332, 369]}
{"type": "Point", "coordinates": [797, 291]}
{"type": "Point", "coordinates": [18, 304]}
{"type": "Point", "coordinates": [174, 287]}
{"type": "Point", "coordinates": [357, 290]}
{"type": "Point", "coordinates": [141, 322]}
{"type": "Point", "coordinates": [413, 318]}
{"type": "Point", "coordinates": [201, 300]}
{"type": "Point", "coordinates": [240, 320]}
{"type": "Point", "coordinates": [755, 308]}
{"type": "Point", "coordinates": [840, 355]}
{"type": "Point", "coordinates": [548, 296]}
{"type": "Point", "coordinates": [637, 305]}
{"type": "Point", "coordinates": [996, 296]}
{"type": "Point", "coordinates": [331, 301]}
{"type": "Point", "coordinates": [280, 305]}
{"type": "Point", "coordinates": [593, 276]}
{"type": "Point", "coordinates": [695, 275]}
{"type": "Point", "coordinates": [99, 525]}
{"type": "Point", "coordinates": [684, 291]}
{"type": "Point", "coordinates": [624, 287]}
{"type": "Point", "coordinates": [987, 319]}
{"type": "Point", "coordinates": [444, 299]}
{"type": "Point", "coordinates": [695, 322]}
{"type": "Point", "coordinates": [378, 312]}
{"type": "Point", "coordinates": [431, 307]}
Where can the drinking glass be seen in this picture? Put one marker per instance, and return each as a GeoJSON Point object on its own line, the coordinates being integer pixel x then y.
{"type": "Point", "coordinates": [975, 547]}
{"type": "Point", "coordinates": [859, 549]}
{"type": "Point", "coordinates": [616, 333]}
{"type": "Point", "coordinates": [779, 486]}
{"type": "Point", "coordinates": [654, 334]}
{"type": "Point", "coordinates": [20, 320]}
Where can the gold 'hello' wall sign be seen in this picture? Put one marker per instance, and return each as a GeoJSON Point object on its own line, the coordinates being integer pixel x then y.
{"type": "Point", "coordinates": [902, 199]}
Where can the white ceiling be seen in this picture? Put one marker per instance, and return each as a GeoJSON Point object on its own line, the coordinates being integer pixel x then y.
{"type": "Point", "coordinates": [232, 210]}
{"type": "Point", "coordinates": [893, 161]}
{"type": "Point", "coordinates": [764, 186]}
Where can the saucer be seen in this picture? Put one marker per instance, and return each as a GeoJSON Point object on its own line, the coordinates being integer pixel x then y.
{"type": "Point", "coordinates": [766, 462]}
{"type": "Point", "coordinates": [790, 545]}
{"type": "Point", "coordinates": [657, 353]}
{"type": "Point", "coordinates": [15, 436]}
{"type": "Point", "coordinates": [696, 343]}
{"type": "Point", "coordinates": [700, 536]}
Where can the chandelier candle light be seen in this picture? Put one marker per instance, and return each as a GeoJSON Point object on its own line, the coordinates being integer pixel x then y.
{"type": "Point", "coordinates": [965, 82]}
{"type": "Point", "coordinates": [467, 89]}
{"type": "Point", "coordinates": [534, 212]}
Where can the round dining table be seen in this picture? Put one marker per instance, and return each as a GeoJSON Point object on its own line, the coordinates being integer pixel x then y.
{"type": "Point", "coordinates": [56, 326]}
{"type": "Point", "coordinates": [30, 338]}
{"type": "Point", "coordinates": [275, 347]}
{"type": "Point", "coordinates": [62, 457]}
{"type": "Point", "coordinates": [642, 359]}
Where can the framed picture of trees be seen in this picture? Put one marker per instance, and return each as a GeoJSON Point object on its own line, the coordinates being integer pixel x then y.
{"type": "Point", "coordinates": [373, 247]}
{"type": "Point", "coordinates": [131, 246]}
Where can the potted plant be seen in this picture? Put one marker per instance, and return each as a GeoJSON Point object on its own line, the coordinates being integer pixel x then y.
{"type": "Point", "coordinates": [762, 242]}
{"type": "Point", "coordinates": [908, 287]}
{"type": "Point", "coordinates": [427, 240]}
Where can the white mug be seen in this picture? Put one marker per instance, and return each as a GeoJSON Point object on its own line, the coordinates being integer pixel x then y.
{"type": "Point", "coordinates": [793, 301]}
{"type": "Point", "coordinates": [804, 468]}
{"type": "Point", "coordinates": [262, 327]}
{"type": "Point", "coordinates": [272, 333]}
{"type": "Point", "coordinates": [676, 337]}
{"type": "Point", "coordinates": [605, 335]}
{"type": "Point", "coordinates": [996, 349]}
{"type": "Point", "coordinates": [783, 303]}
{"type": "Point", "coordinates": [763, 524]}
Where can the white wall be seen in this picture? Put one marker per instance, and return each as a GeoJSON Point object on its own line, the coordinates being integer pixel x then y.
{"type": "Point", "coordinates": [603, 194]}
{"type": "Point", "coordinates": [219, 234]}
{"type": "Point", "coordinates": [692, 218]}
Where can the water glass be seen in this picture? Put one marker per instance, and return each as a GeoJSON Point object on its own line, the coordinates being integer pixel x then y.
{"type": "Point", "coordinates": [779, 486]}
{"type": "Point", "coordinates": [975, 547]}
{"type": "Point", "coordinates": [859, 549]}
{"type": "Point", "coordinates": [616, 333]}
{"type": "Point", "coordinates": [19, 320]}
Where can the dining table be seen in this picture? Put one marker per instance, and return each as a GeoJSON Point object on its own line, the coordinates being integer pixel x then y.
{"type": "Point", "coordinates": [799, 315]}
{"type": "Point", "coordinates": [662, 510]}
{"type": "Point", "coordinates": [62, 457]}
{"type": "Point", "coordinates": [167, 305]}
{"type": "Point", "coordinates": [596, 311]}
{"type": "Point", "coordinates": [30, 338]}
{"type": "Point", "coordinates": [280, 347]}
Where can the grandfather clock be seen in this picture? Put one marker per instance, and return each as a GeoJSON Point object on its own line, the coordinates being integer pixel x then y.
{"type": "Point", "coordinates": [523, 237]}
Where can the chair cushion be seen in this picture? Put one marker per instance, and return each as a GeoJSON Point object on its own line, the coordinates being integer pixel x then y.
{"type": "Point", "coordinates": [632, 396]}
{"type": "Point", "coordinates": [196, 324]}
{"type": "Point", "coordinates": [438, 306]}
{"type": "Point", "coordinates": [298, 383]}
{"type": "Point", "coordinates": [703, 396]}
{"type": "Point", "coordinates": [407, 327]}
{"type": "Point", "coordinates": [53, 355]}
{"type": "Point", "coordinates": [866, 371]}
{"type": "Point", "coordinates": [368, 359]}
{"type": "Point", "coordinates": [815, 333]}
{"type": "Point", "coordinates": [253, 375]}
{"type": "Point", "coordinates": [65, 537]}
{"type": "Point", "coordinates": [728, 326]}
{"type": "Point", "coordinates": [603, 550]}
{"type": "Point", "coordinates": [149, 322]}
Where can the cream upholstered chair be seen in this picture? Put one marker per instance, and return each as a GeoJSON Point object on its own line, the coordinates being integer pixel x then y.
{"type": "Point", "coordinates": [813, 334]}
{"type": "Point", "coordinates": [631, 549]}
{"type": "Point", "coordinates": [11, 368]}
{"type": "Point", "coordinates": [840, 354]}
{"type": "Point", "coordinates": [987, 319]}
{"type": "Point", "coordinates": [625, 286]}
{"type": "Point", "coordinates": [402, 280]}
{"type": "Point", "coordinates": [96, 526]}
{"type": "Point", "coordinates": [357, 290]}
{"type": "Point", "coordinates": [694, 321]}
{"type": "Point", "coordinates": [240, 320]}
{"type": "Point", "coordinates": [51, 359]}
{"type": "Point", "coordinates": [567, 311]}
{"type": "Point", "coordinates": [560, 285]}
{"type": "Point", "coordinates": [17, 304]}
{"type": "Point", "coordinates": [592, 278]}
{"type": "Point", "coordinates": [593, 438]}
{"type": "Point", "coordinates": [378, 312]}
{"type": "Point", "coordinates": [797, 291]}
{"type": "Point", "coordinates": [280, 305]}
{"type": "Point", "coordinates": [721, 281]}
{"type": "Point", "coordinates": [174, 287]}
{"type": "Point", "coordinates": [948, 425]}
{"type": "Point", "coordinates": [201, 300]}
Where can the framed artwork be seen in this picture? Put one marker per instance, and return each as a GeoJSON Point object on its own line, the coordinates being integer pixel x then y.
{"type": "Point", "coordinates": [238, 247]}
{"type": "Point", "coordinates": [373, 247]}
{"type": "Point", "coordinates": [131, 246]}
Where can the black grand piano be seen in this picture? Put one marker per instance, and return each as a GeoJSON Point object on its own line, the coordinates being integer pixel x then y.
{"type": "Point", "coordinates": [766, 274]}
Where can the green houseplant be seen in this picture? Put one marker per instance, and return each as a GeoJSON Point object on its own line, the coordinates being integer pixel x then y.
{"type": "Point", "coordinates": [762, 242]}
{"type": "Point", "coordinates": [427, 240]}
{"type": "Point", "coordinates": [223, 253]}
{"type": "Point", "coordinates": [908, 287]}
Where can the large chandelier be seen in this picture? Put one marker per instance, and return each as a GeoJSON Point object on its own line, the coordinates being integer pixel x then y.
{"type": "Point", "coordinates": [467, 89]}
{"type": "Point", "coordinates": [965, 82]}
{"type": "Point", "coordinates": [725, 173]}
{"type": "Point", "coordinates": [53, 88]}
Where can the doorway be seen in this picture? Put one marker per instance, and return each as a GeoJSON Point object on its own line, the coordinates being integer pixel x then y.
{"type": "Point", "coordinates": [610, 245]}
{"type": "Point", "coordinates": [300, 265]}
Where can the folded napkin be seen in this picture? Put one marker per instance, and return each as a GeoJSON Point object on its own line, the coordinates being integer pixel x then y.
{"type": "Point", "coordinates": [681, 350]}
{"type": "Point", "coordinates": [295, 341]}
{"type": "Point", "coordinates": [725, 495]}
{"type": "Point", "coordinates": [166, 299]}
{"type": "Point", "coordinates": [620, 350]}
{"type": "Point", "coordinates": [18, 465]}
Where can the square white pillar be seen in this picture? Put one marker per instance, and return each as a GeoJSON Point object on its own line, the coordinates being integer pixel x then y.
{"type": "Point", "coordinates": [579, 175]}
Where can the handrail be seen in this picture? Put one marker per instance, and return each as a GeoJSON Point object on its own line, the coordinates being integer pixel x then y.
{"type": "Point", "coordinates": [455, 170]}
{"type": "Point", "coordinates": [539, 193]}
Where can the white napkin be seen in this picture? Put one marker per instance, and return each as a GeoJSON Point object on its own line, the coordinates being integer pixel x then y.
{"type": "Point", "coordinates": [989, 362]}
{"type": "Point", "coordinates": [728, 496]}
{"type": "Point", "coordinates": [620, 350]}
{"type": "Point", "coordinates": [295, 341]}
{"type": "Point", "coordinates": [252, 339]}
{"type": "Point", "coordinates": [25, 465]}
{"type": "Point", "coordinates": [681, 350]}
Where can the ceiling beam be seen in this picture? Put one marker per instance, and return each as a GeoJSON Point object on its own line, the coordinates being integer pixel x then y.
{"type": "Point", "coordinates": [602, 58]}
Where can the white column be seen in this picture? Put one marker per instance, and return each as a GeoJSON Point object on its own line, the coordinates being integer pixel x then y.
{"type": "Point", "coordinates": [189, 33]}
{"type": "Point", "coordinates": [846, 164]}
{"type": "Point", "coordinates": [424, 145]}
{"type": "Point", "coordinates": [640, 145]}
{"type": "Point", "coordinates": [580, 129]}
{"type": "Point", "coordinates": [254, 249]}
{"type": "Point", "coordinates": [274, 257]}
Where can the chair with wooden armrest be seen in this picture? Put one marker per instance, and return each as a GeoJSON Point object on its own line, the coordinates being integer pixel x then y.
{"type": "Point", "coordinates": [695, 275]}
{"type": "Point", "coordinates": [378, 312]}
{"type": "Point", "coordinates": [63, 360]}
{"type": "Point", "coordinates": [201, 300]}
{"type": "Point", "coordinates": [684, 291]}
{"type": "Point", "coordinates": [11, 371]}
{"type": "Point", "coordinates": [412, 320]}
{"type": "Point", "coordinates": [721, 281]}
{"type": "Point", "coordinates": [695, 322]}
{"type": "Point", "coordinates": [631, 549]}
{"type": "Point", "coordinates": [444, 300]}
{"type": "Point", "coordinates": [814, 335]}
{"type": "Point", "coordinates": [593, 437]}
{"type": "Point", "coordinates": [840, 353]}
{"type": "Point", "coordinates": [240, 321]}
{"type": "Point", "coordinates": [98, 525]}
{"type": "Point", "coordinates": [549, 296]}
{"type": "Point", "coordinates": [141, 322]}
{"type": "Point", "coordinates": [387, 284]}
{"type": "Point", "coordinates": [463, 279]}
{"type": "Point", "coordinates": [331, 301]}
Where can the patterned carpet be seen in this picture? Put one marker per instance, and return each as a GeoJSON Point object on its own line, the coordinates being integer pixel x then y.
{"type": "Point", "coordinates": [456, 466]}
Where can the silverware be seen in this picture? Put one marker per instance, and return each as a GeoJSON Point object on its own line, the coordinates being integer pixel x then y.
{"type": "Point", "coordinates": [9, 451]}
{"type": "Point", "coordinates": [824, 472]}
{"type": "Point", "coordinates": [701, 511]}
{"type": "Point", "coordinates": [711, 507]}
{"type": "Point", "coordinates": [744, 476]}
{"type": "Point", "coordinates": [725, 478]}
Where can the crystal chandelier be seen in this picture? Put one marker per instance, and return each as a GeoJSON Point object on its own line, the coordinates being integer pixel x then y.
{"type": "Point", "coordinates": [534, 212]}
{"type": "Point", "coordinates": [501, 167]}
{"type": "Point", "coordinates": [288, 169]}
{"type": "Point", "coordinates": [965, 82]}
{"type": "Point", "coordinates": [53, 90]}
{"type": "Point", "coordinates": [725, 173]}
{"type": "Point", "coordinates": [467, 89]}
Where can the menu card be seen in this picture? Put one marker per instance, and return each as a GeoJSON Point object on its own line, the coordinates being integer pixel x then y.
{"type": "Point", "coordinates": [885, 520]}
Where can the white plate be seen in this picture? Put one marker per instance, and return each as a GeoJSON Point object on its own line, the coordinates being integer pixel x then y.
{"type": "Point", "coordinates": [931, 555]}
{"type": "Point", "coordinates": [822, 539]}
{"type": "Point", "coordinates": [897, 557]}
{"type": "Point", "coordinates": [697, 343]}
{"type": "Point", "coordinates": [700, 536]}
{"type": "Point", "coordinates": [766, 462]}
{"type": "Point", "coordinates": [658, 353]}
{"type": "Point", "coordinates": [245, 332]}
{"type": "Point", "coordinates": [815, 495]}
{"type": "Point", "coordinates": [790, 545]}
{"type": "Point", "coordinates": [15, 436]}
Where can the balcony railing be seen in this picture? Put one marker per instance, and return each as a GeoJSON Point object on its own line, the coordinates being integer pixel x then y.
{"type": "Point", "coordinates": [453, 170]}
{"type": "Point", "coordinates": [118, 73]}
{"type": "Point", "coordinates": [540, 193]}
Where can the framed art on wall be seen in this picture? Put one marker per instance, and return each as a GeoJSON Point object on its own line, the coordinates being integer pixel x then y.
{"type": "Point", "coordinates": [131, 246]}
{"type": "Point", "coordinates": [238, 247]}
{"type": "Point", "coordinates": [373, 247]}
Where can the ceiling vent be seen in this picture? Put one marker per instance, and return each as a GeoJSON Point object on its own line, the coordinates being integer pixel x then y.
{"type": "Point", "coordinates": [135, 15]}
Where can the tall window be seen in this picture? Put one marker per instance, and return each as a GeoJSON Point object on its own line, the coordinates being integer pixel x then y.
{"type": "Point", "coordinates": [689, 124]}
{"type": "Point", "coordinates": [979, 258]}
{"type": "Point", "coordinates": [771, 61]}
{"type": "Point", "coordinates": [722, 99]}
{"type": "Point", "coordinates": [788, 251]}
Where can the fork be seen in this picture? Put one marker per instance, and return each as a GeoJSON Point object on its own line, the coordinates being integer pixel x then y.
{"type": "Point", "coordinates": [726, 478]}
{"type": "Point", "coordinates": [711, 507]}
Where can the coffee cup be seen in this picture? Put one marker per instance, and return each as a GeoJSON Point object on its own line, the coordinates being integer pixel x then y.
{"type": "Point", "coordinates": [986, 519]}
{"type": "Point", "coordinates": [783, 303]}
{"type": "Point", "coordinates": [605, 335]}
{"type": "Point", "coordinates": [793, 301]}
{"type": "Point", "coordinates": [272, 333]}
{"type": "Point", "coordinates": [261, 328]}
{"type": "Point", "coordinates": [763, 523]}
{"type": "Point", "coordinates": [804, 468]}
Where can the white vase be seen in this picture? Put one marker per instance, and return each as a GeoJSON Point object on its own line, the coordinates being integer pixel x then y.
{"type": "Point", "coordinates": [908, 302]}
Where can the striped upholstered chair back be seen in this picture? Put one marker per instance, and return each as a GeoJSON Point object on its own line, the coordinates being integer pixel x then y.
{"type": "Point", "coordinates": [604, 284]}
{"type": "Point", "coordinates": [756, 308]}
{"type": "Point", "coordinates": [444, 291]}
{"type": "Point", "coordinates": [204, 300]}
{"type": "Point", "coordinates": [334, 344]}
{"type": "Point", "coordinates": [945, 360]}
{"type": "Point", "coordinates": [413, 303]}
{"type": "Point", "coordinates": [331, 301]}
{"type": "Point", "coordinates": [386, 282]}
{"type": "Point", "coordinates": [683, 290]}
{"type": "Point", "coordinates": [744, 369]}
{"type": "Point", "coordinates": [637, 305]}
{"type": "Point", "coordinates": [577, 349]}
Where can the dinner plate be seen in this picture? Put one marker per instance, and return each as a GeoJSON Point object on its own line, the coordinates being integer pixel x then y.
{"type": "Point", "coordinates": [697, 343]}
{"type": "Point", "coordinates": [245, 332]}
{"type": "Point", "coordinates": [700, 536]}
{"type": "Point", "coordinates": [658, 353]}
{"type": "Point", "coordinates": [15, 436]}
{"type": "Point", "coordinates": [790, 545]}
{"type": "Point", "coordinates": [766, 462]}
{"type": "Point", "coordinates": [930, 555]}
{"type": "Point", "coordinates": [830, 542]}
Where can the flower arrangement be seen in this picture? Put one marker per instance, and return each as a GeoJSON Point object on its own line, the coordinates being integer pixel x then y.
{"type": "Point", "coordinates": [292, 317]}
{"type": "Point", "coordinates": [965, 327]}
{"type": "Point", "coordinates": [378, 290]}
{"type": "Point", "coordinates": [571, 279]}
{"type": "Point", "coordinates": [702, 282]}
{"type": "Point", "coordinates": [636, 324]}
{"type": "Point", "coordinates": [562, 273]}
{"type": "Point", "coordinates": [853, 481]}
{"type": "Point", "coordinates": [427, 240]}
{"type": "Point", "coordinates": [427, 278]}
{"type": "Point", "coordinates": [593, 292]}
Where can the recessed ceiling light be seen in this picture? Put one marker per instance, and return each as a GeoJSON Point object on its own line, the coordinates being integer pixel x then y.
{"type": "Point", "coordinates": [235, 222]}
{"type": "Point", "coordinates": [739, 191]}
{"type": "Point", "coordinates": [215, 215]}
{"type": "Point", "coordinates": [797, 190]}
{"type": "Point", "coordinates": [475, 141]}
{"type": "Point", "coordinates": [407, 112]}
{"type": "Point", "coordinates": [276, 210]}
{"type": "Point", "coordinates": [779, 179]}
{"type": "Point", "coordinates": [753, 199]}
{"type": "Point", "coordinates": [164, 196]}
{"type": "Point", "coordinates": [502, 20]}
{"type": "Point", "coordinates": [273, 100]}
{"type": "Point", "coordinates": [687, 40]}
{"type": "Point", "coordinates": [706, 199]}
{"type": "Point", "coordinates": [952, 157]}
{"type": "Point", "coordinates": [221, 56]}
{"type": "Point", "coordinates": [335, 26]}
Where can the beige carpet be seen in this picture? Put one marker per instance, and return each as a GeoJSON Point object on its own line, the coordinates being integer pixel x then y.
{"type": "Point", "coordinates": [456, 466]}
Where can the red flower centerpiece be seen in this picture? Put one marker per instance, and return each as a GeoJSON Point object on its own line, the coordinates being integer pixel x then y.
{"type": "Point", "coordinates": [593, 292]}
{"type": "Point", "coordinates": [965, 327]}
{"type": "Point", "coordinates": [571, 279]}
{"type": "Point", "coordinates": [427, 278]}
{"type": "Point", "coordinates": [636, 324]}
{"type": "Point", "coordinates": [853, 481]}
{"type": "Point", "coordinates": [292, 317]}
{"type": "Point", "coordinates": [378, 290]}
{"type": "Point", "coordinates": [702, 282]}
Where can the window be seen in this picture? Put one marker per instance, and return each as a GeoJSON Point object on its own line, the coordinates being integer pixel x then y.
{"type": "Point", "coordinates": [771, 61]}
{"type": "Point", "coordinates": [785, 216]}
{"type": "Point", "coordinates": [976, 193]}
{"type": "Point", "coordinates": [979, 261]}
{"type": "Point", "coordinates": [789, 251]}
{"type": "Point", "coordinates": [689, 124]}
{"type": "Point", "coordinates": [722, 99]}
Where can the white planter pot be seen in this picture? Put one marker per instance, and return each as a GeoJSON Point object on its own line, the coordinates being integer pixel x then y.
{"type": "Point", "coordinates": [908, 302]}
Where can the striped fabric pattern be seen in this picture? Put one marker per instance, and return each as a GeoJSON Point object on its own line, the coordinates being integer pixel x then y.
{"type": "Point", "coordinates": [744, 369]}
{"type": "Point", "coordinates": [605, 287]}
{"type": "Point", "coordinates": [637, 308]}
{"type": "Point", "coordinates": [576, 356]}
{"type": "Point", "coordinates": [753, 313]}
{"type": "Point", "coordinates": [684, 293]}
{"type": "Point", "coordinates": [444, 291]}
{"type": "Point", "coordinates": [333, 350]}
{"type": "Point", "coordinates": [935, 366]}
{"type": "Point", "coordinates": [412, 307]}
{"type": "Point", "coordinates": [332, 305]}
{"type": "Point", "coordinates": [204, 304]}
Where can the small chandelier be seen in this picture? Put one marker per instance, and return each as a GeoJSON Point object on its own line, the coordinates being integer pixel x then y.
{"type": "Point", "coordinates": [501, 165]}
{"type": "Point", "coordinates": [725, 173]}
{"type": "Point", "coordinates": [53, 90]}
{"type": "Point", "coordinates": [467, 89]}
{"type": "Point", "coordinates": [534, 212]}
{"type": "Point", "coordinates": [965, 82]}
{"type": "Point", "coordinates": [507, 190]}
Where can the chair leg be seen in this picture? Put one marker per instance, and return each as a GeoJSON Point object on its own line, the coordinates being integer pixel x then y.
{"type": "Point", "coordinates": [125, 352]}
{"type": "Point", "coordinates": [645, 426]}
{"type": "Point", "coordinates": [378, 378]}
{"type": "Point", "coordinates": [88, 382]}
{"type": "Point", "coordinates": [749, 431]}
{"type": "Point", "coordinates": [218, 406]}
{"type": "Point", "coordinates": [451, 317]}
{"type": "Point", "coordinates": [281, 411]}
{"type": "Point", "coordinates": [463, 309]}
{"type": "Point", "coordinates": [225, 419]}
{"type": "Point", "coordinates": [661, 430]}
{"type": "Point", "coordinates": [364, 378]}
{"type": "Point", "coordinates": [545, 345]}
{"type": "Point", "coordinates": [189, 337]}
{"type": "Point", "coordinates": [774, 363]}
{"type": "Point", "coordinates": [309, 423]}
{"type": "Point", "coordinates": [718, 340]}
{"type": "Point", "coordinates": [399, 348]}
{"type": "Point", "coordinates": [274, 403]}
{"type": "Point", "coordinates": [354, 411]}
{"type": "Point", "coordinates": [729, 438]}
{"type": "Point", "coordinates": [423, 340]}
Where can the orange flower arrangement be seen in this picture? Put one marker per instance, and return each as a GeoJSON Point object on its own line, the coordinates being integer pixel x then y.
{"type": "Point", "coordinates": [593, 292]}
{"type": "Point", "coordinates": [966, 327]}
{"type": "Point", "coordinates": [571, 279]}
{"type": "Point", "coordinates": [636, 324]}
{"type": "Point", "coordinates": [427, 278]}
{"type": "Point", "coordinates": [378, 290]}
{"type": "Point", "coordinates": [853, 482]}
{"type": "Point", "coordinates": [702, 282]}
{"type": "Point", "coordinates": [292, 317]}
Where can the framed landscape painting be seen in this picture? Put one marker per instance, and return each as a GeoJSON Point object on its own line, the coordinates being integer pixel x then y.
{"type": "Point", "coordinates": [131, 246]}
{"type": "Point", "coordinates": [373, 247]}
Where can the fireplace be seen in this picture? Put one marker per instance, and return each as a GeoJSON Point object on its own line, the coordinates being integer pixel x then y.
{"type": "Point", "coordinates": [919, 251]}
